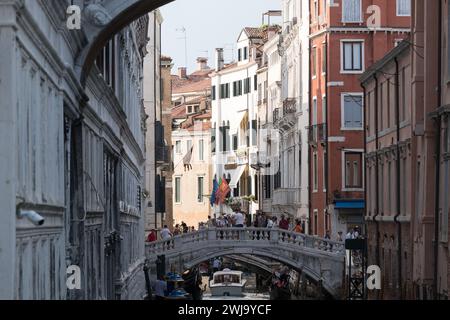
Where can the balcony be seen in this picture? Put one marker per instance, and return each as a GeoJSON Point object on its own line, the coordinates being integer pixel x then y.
{"type": "Point", "coordinates": [285, 117]}
{"type": "Point", "coordinates": [289, 106]}
{"type": "Point", "coordinates": [162, 155]}
{"type": "Point", "coordinates": [317, 134]}
{"type": "Point", "coordinates": [286, 197]}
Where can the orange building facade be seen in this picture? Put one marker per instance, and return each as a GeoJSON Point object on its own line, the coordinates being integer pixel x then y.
{"type": "Point", "coordinates": [346, 38]}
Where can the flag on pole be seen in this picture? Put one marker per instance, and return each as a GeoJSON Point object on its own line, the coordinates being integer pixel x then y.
{"type": "Point", "coordinates": [212, 199]}
{"type": "Point", "coordinates": [223, 191]}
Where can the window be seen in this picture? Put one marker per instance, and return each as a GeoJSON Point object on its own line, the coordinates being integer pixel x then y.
{"type": "Point", "coordinates": [235, 142]}
{"type": "Point", "coordinates": [224, 91]}
{"type": "Point", "coordinates": [254, 132]}
{"type": "Point", "coordinates": [316, 222]}
{"type": "Point", "coordinates": [196, 108]}
{"type": "Point", "coordinates": [213, 139]}
{"type": "Point", "coordinates": [314, 111]}
{"type": "Point", "coordinates": [324, 8]}
{"type": "Point", "coordinates": [245, 53]}
{"type": "Point", "coordinates": [267, 187]}
{"type": "Point", "coordinates": [200, 189]}
{"type": "Point", "coordinates": [404, 8]}
{"type": "Point", "coordinates": [352, 109]}
{"type": "Point", "coordinates": [351, 11]}
{"type": "Point", "coordinates": [260, 93]}
{"type": "Point", "coordinates": [225, 140]}
{"type": "Point", "coordinates": [315, 173]}
{"type": "Point", "coordinates": [247, 85]}
{"type": "Point", "coordinates": [324, 58]}
{"type": "Point", "coordinates": [324, 109]}
{"type": "Point", "coordinates": [178, 146]}
{"type": "Point", "coordinates": [255, 82]}
{"type": "Point", "coordinates": [314, 61]}
{"type": "Point", "coordinates": [177, 189]}
{"type": "Point", "coordinates": [213, 93]}
{"type": "Point", "coordinates": [239, 54]}
{"type": "Point", "coordinates": [316, 10]}
{"type": "Point", "coordinates": [188, 145]}
{"type": "Point", "coordinates": [189, 109]}
{"type": "Point", "coordinates": [353, 170]}
{"type": "Point", "coordinates": [352, 56]}
{"type": "Point", "coordinates": [277, 178]}
{"type": "Point", "coordinates": [201, 150]}
{"type": "Point", "coordinates": [237, 88]}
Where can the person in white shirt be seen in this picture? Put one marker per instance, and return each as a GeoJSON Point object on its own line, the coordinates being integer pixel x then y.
{"type": "Point", "coordinates": [239, 219]}
{"type": "Point", "coordinates": [165, 233]}
{"type": "Point", "coordinates": [270, 223]}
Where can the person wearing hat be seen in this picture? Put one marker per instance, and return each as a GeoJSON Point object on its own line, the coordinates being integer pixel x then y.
{"type": "Point", "coordinates": [152, 236]}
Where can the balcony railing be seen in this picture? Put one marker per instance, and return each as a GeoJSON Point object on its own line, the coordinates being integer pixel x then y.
{"type": "Point", "coordinates": [318, 134]}
{"type": "Point", "coordinates": [289, 106]}
{"type": "Point", "coordinates": [286, 196]}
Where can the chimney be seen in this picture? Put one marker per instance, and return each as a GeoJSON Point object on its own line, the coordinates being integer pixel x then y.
{"type": "Point", "coordinates": [182, 73]}
{"type": "Point", "coordinates": [202, 63]}
{"type": "Point", "coordinates": [219, 59]}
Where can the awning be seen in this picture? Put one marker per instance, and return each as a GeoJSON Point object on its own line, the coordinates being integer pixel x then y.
{"type": "Point", "coordinates": [349, 204]}
{"type": "Point", "coordinates": [236, 176]}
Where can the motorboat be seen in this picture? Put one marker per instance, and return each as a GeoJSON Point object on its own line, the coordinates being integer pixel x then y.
{"type": "Point", "coordinates": [227, 283]}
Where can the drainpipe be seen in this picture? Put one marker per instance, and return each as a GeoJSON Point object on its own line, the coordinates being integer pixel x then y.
{"type": "Point", "coordinates": [398, 223]}
{"type": "Point", "coordinates": [438, 157]}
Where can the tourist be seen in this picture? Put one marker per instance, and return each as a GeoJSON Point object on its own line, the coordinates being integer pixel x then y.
{"type": "Point", "coordinates": [327, 235]}
{"type": "Point", "coordinates": [239, 219]}
{"type": "Point", "coordinates": [160, 288]}
{"type": "Point", "coordinates": [210, 223]}
{"type": "Point", "coordinates": [165, 233]}
{"type": "Point", "coordinates": [192, 229]}
{"type": "Point", "coordinates": [184, 227]}
{"type": "Point", "coordinates": [270, 223]}
{"type": "Point", "coordinates": [152, 236]}
{"type": "Point", "coordinates": [298, 227]}
{"type": "Point", "coordinates": [216, 264]}
{"type": "Point", "coordinates": [177, 230]}
{"type": "Point", "coordinates": [284, 223]}
{"type": "Point", "coordinates": [350, 235]}
{"type": "Point", "coordinates": [339, 237]}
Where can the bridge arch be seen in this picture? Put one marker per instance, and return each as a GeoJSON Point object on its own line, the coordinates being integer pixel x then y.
{"type": "Point", "coordinates": [310, 273]}
{"type": "Point", "coordinates": [319, 259]}
{"type": "Point", "coordinates": [101, 19]}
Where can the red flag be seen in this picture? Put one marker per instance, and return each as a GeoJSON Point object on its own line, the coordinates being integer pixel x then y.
{"type": "Point", "coordinates": [223, 191]}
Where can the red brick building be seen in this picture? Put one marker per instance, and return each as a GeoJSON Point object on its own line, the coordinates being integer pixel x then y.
{"type": "Point", "coordinates": [408, 159]}
{"type": "Point", "coordinates": [346, 37]}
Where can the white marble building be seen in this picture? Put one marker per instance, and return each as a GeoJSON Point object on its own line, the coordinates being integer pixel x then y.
{"type": "Point", "coordinates": [291, 118]}
{"type": "Point", "coordinates": [234, 117]}
{"type": "Point", "coordinates": [72, 150]}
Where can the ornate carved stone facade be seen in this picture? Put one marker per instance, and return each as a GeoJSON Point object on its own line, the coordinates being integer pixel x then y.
{"type": "Point", "coordinates": [72, 151]}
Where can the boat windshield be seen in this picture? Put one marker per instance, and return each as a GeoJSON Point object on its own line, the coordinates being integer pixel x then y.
{"type": "Point", "coordinates": [227, 278]}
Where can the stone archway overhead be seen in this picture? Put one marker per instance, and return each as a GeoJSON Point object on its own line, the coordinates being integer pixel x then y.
{"type": "Point", "coordinates": [101, 19]}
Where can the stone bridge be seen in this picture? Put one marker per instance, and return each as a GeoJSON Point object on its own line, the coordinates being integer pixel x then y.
{"type": "Point", "coordinates": [317, 258]}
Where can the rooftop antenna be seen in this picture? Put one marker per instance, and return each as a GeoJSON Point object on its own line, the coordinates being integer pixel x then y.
{"type": "Point", "coordinates": [184, 32]}
{"type": "Point", "coordinates": [230, 47]}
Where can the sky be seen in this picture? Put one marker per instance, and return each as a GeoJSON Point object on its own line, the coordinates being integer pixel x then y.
{"type": "Point", "coordinates": [209, 24]}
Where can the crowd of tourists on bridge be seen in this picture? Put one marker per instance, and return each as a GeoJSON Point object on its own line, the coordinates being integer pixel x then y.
{"type": "Point", "coordinates": [236, 220]}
